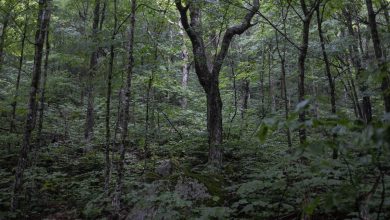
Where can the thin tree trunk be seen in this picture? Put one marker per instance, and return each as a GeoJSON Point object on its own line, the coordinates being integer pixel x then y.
{"type": "Point", "coordinates": [385, 6]}
{"type": "Point", "coordinates": [107, 173]}
{"type": "Point", "coordinates": [185, 70]}
{"type": "Point", "coordinates": [327, 71]}
{"type": "Point", "coordinates": [271, 96]}
{"type": "Point", "coordinates": [2, 38]}
{"type": "Point", "coordinates": [125, 118]}
{"type": "Point", "coordinates": [245, 97]}
{"type": "Point", "coordinates": [43, 89]}
{"type": "Point", "coordinates": [20, 66]}
{"type": "Point", "coordinates": [262, 90]}
{"type": "Point", "coordinates": [283, 83]}
{"type": "Point", "coordinates": [301, 80]}
{"type": "Point", "coordinates": [366, 111]}
{"type": "Point", "coordinates": [89, 120]}
{"type": "Point", "coordinates": [384, 73]}
{"type": "Point", "coordinates": [308, 13]}
{"type": "Point", "coordinates": [234, 97]}
{"type": "Point", "coordinates": [43, 22]}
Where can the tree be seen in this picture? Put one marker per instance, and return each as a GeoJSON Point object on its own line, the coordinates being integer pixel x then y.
{"type": "Point", "coordinates": [43, 87]}
{"type": "Point", "coordinates": [209, 77]}
{"type": "Point", "coordinates": [20, 66]}
{"type": "Point", "coordinates": [125, 115]}
{"type": "Point", "coordinates": [379, 55]}
{"type": "Point", "coordinates": [306, 20]}
{"type": "Point", "coordinates": [327, 66]}
{"type": "Point", "coordinates": [89, 119]}
{"type": "Point", "coordinates": [43, 23]}
{"type": "Point", "coordinates": [365, 112]}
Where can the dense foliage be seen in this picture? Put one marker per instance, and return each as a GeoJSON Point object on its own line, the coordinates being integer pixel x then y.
{"type": "Point", "coordinates": [110, 109]}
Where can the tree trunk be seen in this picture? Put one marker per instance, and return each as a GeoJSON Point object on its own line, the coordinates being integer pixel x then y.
{"type": "Point", "coordinates": [43, 89]}
{"type": "Point", "coordinates": [283, 83]}
{"type": "Point", "coordinates": [271, 95]}
{"type": "Point", "coordinates": [262, 89]}
{"type": "Point", "coordinates": [107, 173]}
{"type": "Point", "coordinates": [207, 72]}
{"type": "Point", "coordinates": [301, 80]}
{"type": "Point", "coordinates": [89, 120]}
{"type": "Point", "coordinates": [214, 123]}
{"type": "Point", "coordinates": [327, 63]}
{"type": "Point", "coordinates": [185, 70]}
{"type": "Point", "coordinates": [366, 111]}
{"type": "Point", "coordinates": [327, 71]}
{"type": "Point", "coordinates": [2, 38]}
{"type": "Point", "coordinates": [43, 22]}
{"type": "Point", "coordinates": [20, 66]}
{"type": "Point", "coordinates": [384, 73]}
{"type": "Point", "coordinates": [125, 114]}
{"type": "Point", "coordinates": [245, 97]}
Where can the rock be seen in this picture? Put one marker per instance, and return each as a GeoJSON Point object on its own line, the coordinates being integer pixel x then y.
{"type": "Point", "coordinates": [191, 189]}
{"type": "Point", "coordinates": [164, 168]}
{"type": "Point", "coordinates": [142, 214]}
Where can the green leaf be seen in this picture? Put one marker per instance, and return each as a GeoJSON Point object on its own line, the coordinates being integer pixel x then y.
{"type": "Point", "coordinates": [262, 133]}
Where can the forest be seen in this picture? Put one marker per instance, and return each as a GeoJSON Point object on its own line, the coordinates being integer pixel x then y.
{"type": "Point", "coordinates": [195, 109]}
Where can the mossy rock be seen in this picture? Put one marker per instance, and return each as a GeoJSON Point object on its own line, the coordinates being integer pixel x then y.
{"type": "Point", "coordinates": [151, 177]}
{"type": "Point", "coordinates": [214, 184]}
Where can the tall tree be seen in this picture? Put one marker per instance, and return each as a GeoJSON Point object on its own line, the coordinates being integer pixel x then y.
{"type": "Point", "coordinates": [209, 77]}
{"type": "Point", "coordinates": [306, 20]}
{"type": "Point", "coordinates": [5, 23]}
{"type": "Point", "coordinates": [43, 88]}
{"type": "Point", "coordinates": [185, 69]}
{"type": "Point", "coordinates": [365, 111]}
{"type": "Point", "coordinates": [108, 99]}
{"type": "Point", "coordinates": [43, 22]}
{"type": "Point", "coordinates": [328, 73]}
{"type": "Point", "coordinates": [90, 120]}
{"type": "Point", "coordinates": [379, 55]}
{"type": "Point", "coordinates": [20, 66]}
{"type": "Point", "coordinates": [125, 112]}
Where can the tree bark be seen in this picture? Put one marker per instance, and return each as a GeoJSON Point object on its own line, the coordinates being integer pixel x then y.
{"type": "Point", "coordinates": [245, 97]}
{"type": "Point", "coordinates": [262, 87]}
{"type": "Point", "coordinates": [43, 22]}
{"type": "Point", "coordinates": [328, 73]}
{"type": "Point", "coordinates": [2, 38]}
{"type": "Point", "coordinates": [185, 70]}
{"type": "Point", "coordinates": [20, 66]}
{"type": "Point", "coordinates": [90, 120]}
{"type": "Point", "coordinates": [208, 77]}
{"type": "Point", "coordinates": [43, 89]}
{"type": "Point", "coordinates": [282, 56]}
{"type": "Point", "coordinates": [107, 173]}
{"type": "Point", "coordinates": [384, 73]}
{"type": "Point", "coordinates": [366, 111]}
{"type": "Point", "coordinates": [301, 65]}
{"type": "Point", "coordinates": [125, 113]}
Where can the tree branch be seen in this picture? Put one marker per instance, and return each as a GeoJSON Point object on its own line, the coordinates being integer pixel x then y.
{"type": "Point", "coordinates": [230, 33]}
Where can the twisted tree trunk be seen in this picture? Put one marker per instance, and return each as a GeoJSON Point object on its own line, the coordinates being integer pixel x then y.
{"type": "Point", "coordinates": [207, 71]}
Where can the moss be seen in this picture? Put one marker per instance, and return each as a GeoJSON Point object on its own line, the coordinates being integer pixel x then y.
{"type": "Point", "coordinates": [213, 182]}
{"type": "Point", "coordinates": [151, 176]}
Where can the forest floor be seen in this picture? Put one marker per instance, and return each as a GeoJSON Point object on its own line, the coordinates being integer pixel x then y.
{"type": "Point", "coordinates": [174, 182]}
